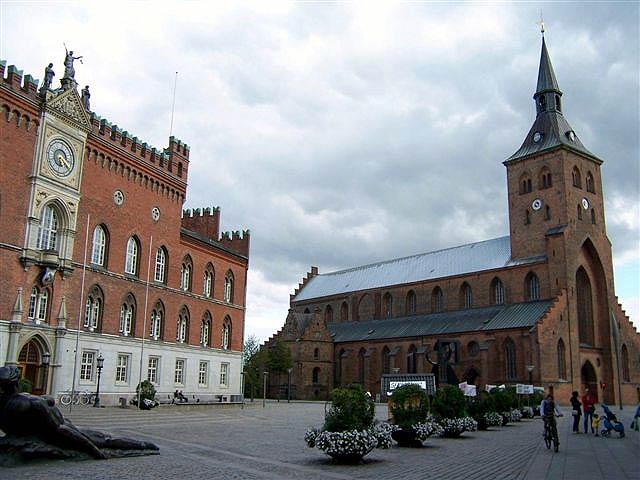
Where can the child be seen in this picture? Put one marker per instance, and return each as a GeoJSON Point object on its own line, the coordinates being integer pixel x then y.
{"type": "Point", "coordinates": [594, 423]}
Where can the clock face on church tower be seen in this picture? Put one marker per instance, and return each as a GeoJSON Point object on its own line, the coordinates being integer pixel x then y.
{"type": "Point", "coordinates": [60, 158]}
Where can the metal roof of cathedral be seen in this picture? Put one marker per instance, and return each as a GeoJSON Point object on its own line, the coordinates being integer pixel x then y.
{"type": "Point", "coordinates": [473, 257]}
{"type": "Point", "coordinates": [497, 317]}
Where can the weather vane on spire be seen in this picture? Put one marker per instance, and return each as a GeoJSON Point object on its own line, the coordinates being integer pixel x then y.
{"type": "Point", "coordinates": [541, 23]}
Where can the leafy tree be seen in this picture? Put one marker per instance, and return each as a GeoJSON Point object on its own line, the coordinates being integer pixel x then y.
{"type": "Point", "coordinates": [449, 402]}
{"type": "Point", "coordinates": [254, 365]}
{"type": "Point", "coordinates": [351, 409]}
{"type": "Point", "coordinates": [409, 405]}
{"type": "Point", "coordinates": [279, 358]}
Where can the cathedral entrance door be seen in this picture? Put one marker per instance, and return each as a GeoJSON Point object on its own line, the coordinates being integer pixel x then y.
{"type": "Point", "coordinates": [589, 378]}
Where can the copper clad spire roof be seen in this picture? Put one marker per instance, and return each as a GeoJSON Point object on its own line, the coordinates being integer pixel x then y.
{"type": "Point", "coordinates": [550, 129]}
{"type": "Point", "coordinates": [546, 77]}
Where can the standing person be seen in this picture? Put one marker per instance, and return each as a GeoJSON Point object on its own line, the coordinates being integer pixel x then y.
{"type": "Point", "coordinates": [576, 411]}
{"type": "Point", "coordinates": [588, 407]}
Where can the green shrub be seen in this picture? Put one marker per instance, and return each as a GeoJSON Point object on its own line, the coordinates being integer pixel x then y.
{"type": "Point", "coordinates": [409, 405]}
{"type": "Point", "coordinates": [449, 402]}
{"type": "Point", "coordinates": [351, 409]}
{"type": "Point", "coordinates": [505, 400]}
{"type": "Point", "coordinates": [25, 385]}
{"type": "Point", "coordinates": [480, 405]}
{"type": "Point", "coordinates": [146, 390]}
{"type": "Point", "coordinates": [536, 398]}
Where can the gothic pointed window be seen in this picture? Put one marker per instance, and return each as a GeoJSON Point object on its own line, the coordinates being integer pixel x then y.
{"type": "Point", "coordinates": [584, 300]}
{"type": "Point", "coordinates": [544, 178]}
{"type": "Point", "coordinates": [510, 359]}
{"type": "Point", "coordinates": [387, 302]}
{"type": "Point", "coordinates": [527, 218]}
{"type": "Point", "coordinates": [589, 183]}
{"type": "Point", "coordinates": [48, 229]}
{"type": "Point", "coordinates": [132, 256]}
{"type": "Point", "coordinates": [344, 312]}
{"type": "Point", "coordinates": [98, 246]}
{"type": "Point", "coordinates": [593, 216]}
{"type": "Point", "coordinates": [328, 314]}
{"type": "Point", "coordinates": [525, 183]}
{"type": "Point", "coordinates": [93, 309]}
{"type": "Point", "coordinates": [182, 327]}
{"type": "Point", "coordinates": [466, 296]}
{"type": "Point", "coordinates": [315, 376]}
{"type": "Point", "coordinates": [497, 291]}
{"type": "Point", "coordinates": [160, 274]}
{"type": "Point", "coordinates": [226, 334]}
{"type": "Point", "coordinates": [386, 360]}
{"type": "Point", "coordinates": [437, 300]}
{"type": "Point", "coordinates": [411, 359]}
{"type": "Point", "coordinates": [361, 360]}
{"type": "Point", "coordinates": [410, 305]}
{"type": "Point", "coordinates": [576, 177]}
{"type": "Point", "coordinates": [156, 321]}
{"type": "Point", "coordinates": [624, 360]}
{"type": "Point", "coordinates": [532, 285]}
{"type": "Point", "coordinates": [185, 274]}
{"type": "Point", "coordinates": [547, 212]}
{"type": "Point", "coordinates": [205, 330]}
{"type": "Point", "coordinates": [562, 366]}
{"type": "Point", "coordinates": [126, 326]}
{"type": "Point", "coordinates": [228, 287]}
{"type": "Point", "coordinates": [209, 277]}
{"type": "Point", "coordinates": [579, 211]}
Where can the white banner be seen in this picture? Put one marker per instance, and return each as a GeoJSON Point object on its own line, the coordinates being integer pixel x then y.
{"type": "Point", "coordinates": [421, 383]}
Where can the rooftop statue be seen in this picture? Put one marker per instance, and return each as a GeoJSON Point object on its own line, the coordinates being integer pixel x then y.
{"type": "Point", "coordinates": [35, 427]}
{"type": "Point", "coordinates": [48, 78]}
{"type": "Point", "coordinates": [68, 80]}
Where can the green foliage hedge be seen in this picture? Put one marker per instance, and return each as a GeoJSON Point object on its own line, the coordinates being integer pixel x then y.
{"type": "Point", "coordinates": [410, 405]}
{"type": "Point", "coordinates": [351, 409]}
{"type": "Point", "coordinates": [449, 402]}
{"type": "Point", "coordinates": [146, 390]}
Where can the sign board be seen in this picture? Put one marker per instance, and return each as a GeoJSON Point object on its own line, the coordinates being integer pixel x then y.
{"type": "Point", "coordinates": [389, 382]}
{"type": "Point", "coordinates": [488, 387]}
{"type": "Point", "coordinates": [524, 389]}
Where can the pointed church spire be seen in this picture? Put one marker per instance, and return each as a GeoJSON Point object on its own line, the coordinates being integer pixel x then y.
{"type": "Point", "coordinates": [546, 77]}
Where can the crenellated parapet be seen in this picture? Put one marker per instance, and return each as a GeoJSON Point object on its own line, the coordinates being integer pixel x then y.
{"type": "Point", "coordinates": [205, 222]}
{"type": "Point", "coordinates": [310, 274]}
{"type": "Point", "coordinates": [237, 241]}
{"type": "Point", "coordinates": [16, 81]}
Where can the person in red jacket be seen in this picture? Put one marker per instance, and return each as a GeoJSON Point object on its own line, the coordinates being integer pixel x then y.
{"type": "Point", "coordinates": [588, 407]}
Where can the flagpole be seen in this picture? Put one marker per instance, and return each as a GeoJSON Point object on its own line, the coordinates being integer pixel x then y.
{"type": "Point", "coordinates": [144, 318]}
{"type": "Point", "coordinates": [84, 272]}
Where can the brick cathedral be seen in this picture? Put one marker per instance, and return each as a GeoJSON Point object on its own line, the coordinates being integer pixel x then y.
{"type": "Point", "coordinates": [99, 263]}
{"type": "Point", "coordinates": [536, 306]}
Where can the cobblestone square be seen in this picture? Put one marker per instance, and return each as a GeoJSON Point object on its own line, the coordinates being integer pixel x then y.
{"type": "Point", "coordinates": [256, 443]}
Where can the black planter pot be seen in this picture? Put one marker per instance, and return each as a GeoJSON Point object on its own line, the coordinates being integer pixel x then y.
{"type": "Point", "coordinates": [482, 423]}
{"type": "Point", "coordinates": [347, 458]}
{"type": "Point", "coordinates": [406, 438]}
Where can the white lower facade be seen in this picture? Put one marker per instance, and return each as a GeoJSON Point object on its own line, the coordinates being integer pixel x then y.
{"type": "Point", "coordinates": [201, 373]}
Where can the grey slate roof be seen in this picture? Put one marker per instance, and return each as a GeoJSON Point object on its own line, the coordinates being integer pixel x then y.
{"type": "Point", "coordinates": [473, 257]}
{"type": "Point", "coordinates": [519, 315]}
{"type": "Point", "coordinates": [546, 75]}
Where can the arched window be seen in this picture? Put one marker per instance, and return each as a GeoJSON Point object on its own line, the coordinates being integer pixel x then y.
{"type": "Point", "coordinates": [337, 369]}
{"type": "Point", "coordinates": [386, 360]}
{"type": "Point", "coordinates": [532, 286]}
{"type": "Point", "coordinates": [127, 316]}
{"type": "Point", "coordinates": [205, 329]}
{"type": "Point", "coordinates": [185, 274]}
{"type": "Point", "coordinates": [316, 353]}
{"type": "Point", "coordinates": [93, 309]}
{"type": "Point", "coordinates": [547, 212]}
{"type": "Point", "coordinates": [366, 308]}
{"type": "Point", "coordinates": [510, 359]}
{"type": "Point", "coordinates": [411, 359]}
{"type": "Point", "coordinates": [98, 246]}
{"type": "Point", "coordinates": [410, 303]}
{"type": "Point", "coordinates": [624, 358]}
{"type": "Point", "coordinates": [157, 315]}
{"type": "Point", "coordinates": [344, 312]}
{"type": "Point", "coordinates": [585, 307]}
{"type": "Point", "coordinates": [131, 261]}
{"type": "Point", "coordinates": [306, 311]}
{"type": "Point", "coordinates": [576, 177]}
{"type": "Point", "coordinates": [182, 328]}
{"type": "Point", "coordinates": [387, 302]}
{"type": "Point", "coordinates": [328, 314]}
{"type": "Point", "coordinates": [562, 369]}
{"type": "Point", "coordinates": [437, 300]}
{"type": "Point", "coordinates": [466, 296]}
{"type": "Point", "coordinates": [228, 287]}
{"type": "Point", "coordinates": [226, 334]}
{"type": "Point", "coordinates": [593, 216]}
{"type": "Point", "coordinates": [525, 184]}
{"type": "Point", "coordinates": [497, 291]}
{"type": "Point", "coordinates": [589, 183]}
{"type": "Point", "coordinates": [527, 218]}
{"type": "Point", "coordinates": [48, 229]}
{"type": "Point", "coordinates": [579, 211]}
{"type": "Point", "coordinates": [361, 359]}
{"type": "Point", "coordinates": [38, 303]}
{"type": "Point", "coordinates": [544, 178]}
{"type": "Point", "coordinates": [160, 274]}
{"type": "Point", "coordinates": [209, 276]}
{"type": "Point", "coordinates": [315, 376]}
{"type": "Point", "coordinates": [473, 348]}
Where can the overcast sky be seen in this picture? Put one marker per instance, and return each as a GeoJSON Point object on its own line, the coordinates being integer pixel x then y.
{"type": "Point", "coordinates": [348, 133]}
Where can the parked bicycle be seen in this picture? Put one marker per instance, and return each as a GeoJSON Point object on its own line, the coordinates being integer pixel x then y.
{"type": "Point", "coordinates": [76, 398]}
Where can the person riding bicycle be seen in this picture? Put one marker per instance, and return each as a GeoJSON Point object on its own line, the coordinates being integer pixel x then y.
{"type": "Point", "coordinates": [549, 410]}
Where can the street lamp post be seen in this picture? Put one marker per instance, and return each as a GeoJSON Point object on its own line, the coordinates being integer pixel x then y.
{"type": "Point", "coordinates": [264, 389]}
{"type": "Point", "coordinates": [100, 364]}
{"type": "Point", "coordinates": [530, 370]}
{"type": "Point", "coordinates": [46, 358]}
{"type": "Point", "coordinates": [289, 386]}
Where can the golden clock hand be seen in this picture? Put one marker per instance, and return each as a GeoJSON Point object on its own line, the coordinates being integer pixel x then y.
{"type": "Point", "coordinates": [64, 161]}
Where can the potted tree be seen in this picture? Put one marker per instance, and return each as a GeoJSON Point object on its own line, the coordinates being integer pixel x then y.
{"type": "Point", "coordinates": [409, 408]}
{"type": "Point", "coordinates": [482, 409]}
{"type": "Point", "coordinates": [349, 431]}
{"type": "Point", "coordinates": [449, 408]}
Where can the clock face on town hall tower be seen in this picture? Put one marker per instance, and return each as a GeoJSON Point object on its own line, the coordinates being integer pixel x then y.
{"type": "Point", "coordinates": [60, 158]}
